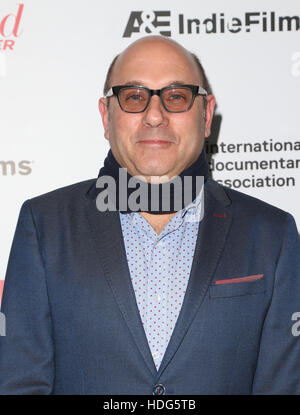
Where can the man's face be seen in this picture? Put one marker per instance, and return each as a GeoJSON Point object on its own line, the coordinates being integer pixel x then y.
{"type": "Point", "coordinates": [156, 142]}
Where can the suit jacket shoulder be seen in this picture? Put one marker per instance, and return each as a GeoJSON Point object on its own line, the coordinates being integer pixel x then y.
{"type": "Point", "coordinates": [63, 195]}
{"type": "Point", "coordinates": [246, 207]}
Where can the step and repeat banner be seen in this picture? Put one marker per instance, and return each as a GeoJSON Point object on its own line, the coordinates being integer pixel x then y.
{"type": "Point", "coordinates": [54, 56]}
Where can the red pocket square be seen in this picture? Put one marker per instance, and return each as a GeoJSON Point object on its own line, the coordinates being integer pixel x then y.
{"type": "Point", "coordinates": [248, 278]}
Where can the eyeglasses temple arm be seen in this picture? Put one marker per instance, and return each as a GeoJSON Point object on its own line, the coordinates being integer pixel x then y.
{"type": "Point", "coordinates": [109, 93]}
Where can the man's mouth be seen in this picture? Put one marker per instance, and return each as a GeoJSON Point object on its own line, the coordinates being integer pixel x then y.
{"type": "Point", "coordinates": [155, 143]}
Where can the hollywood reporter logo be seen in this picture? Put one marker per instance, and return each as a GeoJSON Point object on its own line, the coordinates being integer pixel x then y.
{"type": "Point", "coordinates": [10, 29]}
{"type": "Point", "coordinates": [9, 32]}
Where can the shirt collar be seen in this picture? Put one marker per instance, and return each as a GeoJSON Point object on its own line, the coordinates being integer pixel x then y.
{"type": "Point", "coordinates": [194, 208]}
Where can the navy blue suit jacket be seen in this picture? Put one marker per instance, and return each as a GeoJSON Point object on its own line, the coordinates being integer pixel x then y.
{"type": "Point", "coordinates": [72, 322]}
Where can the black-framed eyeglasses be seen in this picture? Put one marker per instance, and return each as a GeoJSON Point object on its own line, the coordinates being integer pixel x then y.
{"type": "Point", "coordinates": [174, 98]}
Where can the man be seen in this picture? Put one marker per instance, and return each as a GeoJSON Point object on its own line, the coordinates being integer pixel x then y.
{"type": "Point", "coordinates": [154, 301]}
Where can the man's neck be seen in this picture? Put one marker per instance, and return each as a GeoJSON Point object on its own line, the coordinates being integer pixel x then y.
{"type": "Point", "coordinates": [158, 221]}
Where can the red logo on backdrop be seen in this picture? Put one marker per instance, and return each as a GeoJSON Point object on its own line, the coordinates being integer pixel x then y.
{"type": "Point", "coordinates": [10, 28]}
{"type": "Point", "coordinates": [1, 289]}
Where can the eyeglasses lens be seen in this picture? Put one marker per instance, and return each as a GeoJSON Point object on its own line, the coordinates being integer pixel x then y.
{"type": "Point", "coordinates": [136, 99]}
{"type": "Point", "coordinates": [177, 99]}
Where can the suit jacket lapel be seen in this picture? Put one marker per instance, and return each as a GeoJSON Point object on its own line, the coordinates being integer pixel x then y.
{"type": "Point", "coordinates": [209, 246]}
{"type": "Point", "coordinates": [110, 250]}
{"type": "Point", "coordinates": [107, 232]}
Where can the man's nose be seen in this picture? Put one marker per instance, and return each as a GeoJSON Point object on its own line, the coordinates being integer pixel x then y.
{"type": "Point", "coordinates": [155, 114]}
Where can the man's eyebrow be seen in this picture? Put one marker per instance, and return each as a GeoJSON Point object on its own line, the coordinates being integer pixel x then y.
{"type": "Point", "coordinates": [141, 83]}
{"type": "Point", "coordinates": [181, 83]}
{"type": "Point", "coordinates": [134, 82]}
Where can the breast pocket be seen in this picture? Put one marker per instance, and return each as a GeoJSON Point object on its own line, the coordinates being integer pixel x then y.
{"type": "Point", "coordinates": [235, 287]}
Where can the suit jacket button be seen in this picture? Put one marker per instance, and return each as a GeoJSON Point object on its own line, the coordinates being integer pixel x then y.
{"type": "Point", "coordinates": [159, 389]}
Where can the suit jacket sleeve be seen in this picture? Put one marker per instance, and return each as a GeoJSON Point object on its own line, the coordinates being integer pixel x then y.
{"type": "Point", "coordinates": [26, 352]}
{"type": "Point", "coordinates": [278, 370]}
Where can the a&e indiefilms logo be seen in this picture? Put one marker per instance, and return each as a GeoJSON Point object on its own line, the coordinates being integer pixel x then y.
{"type": "Point", "coordinates": [146, 22]}
{"type": "Point", "coordinates": [160, 23]}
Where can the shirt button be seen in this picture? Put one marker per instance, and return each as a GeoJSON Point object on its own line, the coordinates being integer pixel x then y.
{"type": "Point", "coordinates": [157, 298]}
{"type": "Point", "coordinates": [159, 389]}
{"type": "Point", "coordinates": [155, 355]}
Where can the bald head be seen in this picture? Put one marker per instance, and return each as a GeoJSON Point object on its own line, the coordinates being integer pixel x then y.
{"type": "Point", "coordinates": [151, 49]}
{"type": "Point", "coordinates": [156, 141]}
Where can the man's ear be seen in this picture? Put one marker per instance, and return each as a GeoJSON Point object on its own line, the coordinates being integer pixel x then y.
{"type": "Point", "coordinates": [209, 112]}
{"type": "Point", "coordinates": [102, 105]}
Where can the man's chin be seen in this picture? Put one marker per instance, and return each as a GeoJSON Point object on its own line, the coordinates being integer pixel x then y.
{"type": "Point", "coordinates": [155, 176]}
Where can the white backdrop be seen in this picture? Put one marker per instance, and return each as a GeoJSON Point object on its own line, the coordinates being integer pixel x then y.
{"type": "Point", "coordinates": [53, 59]}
